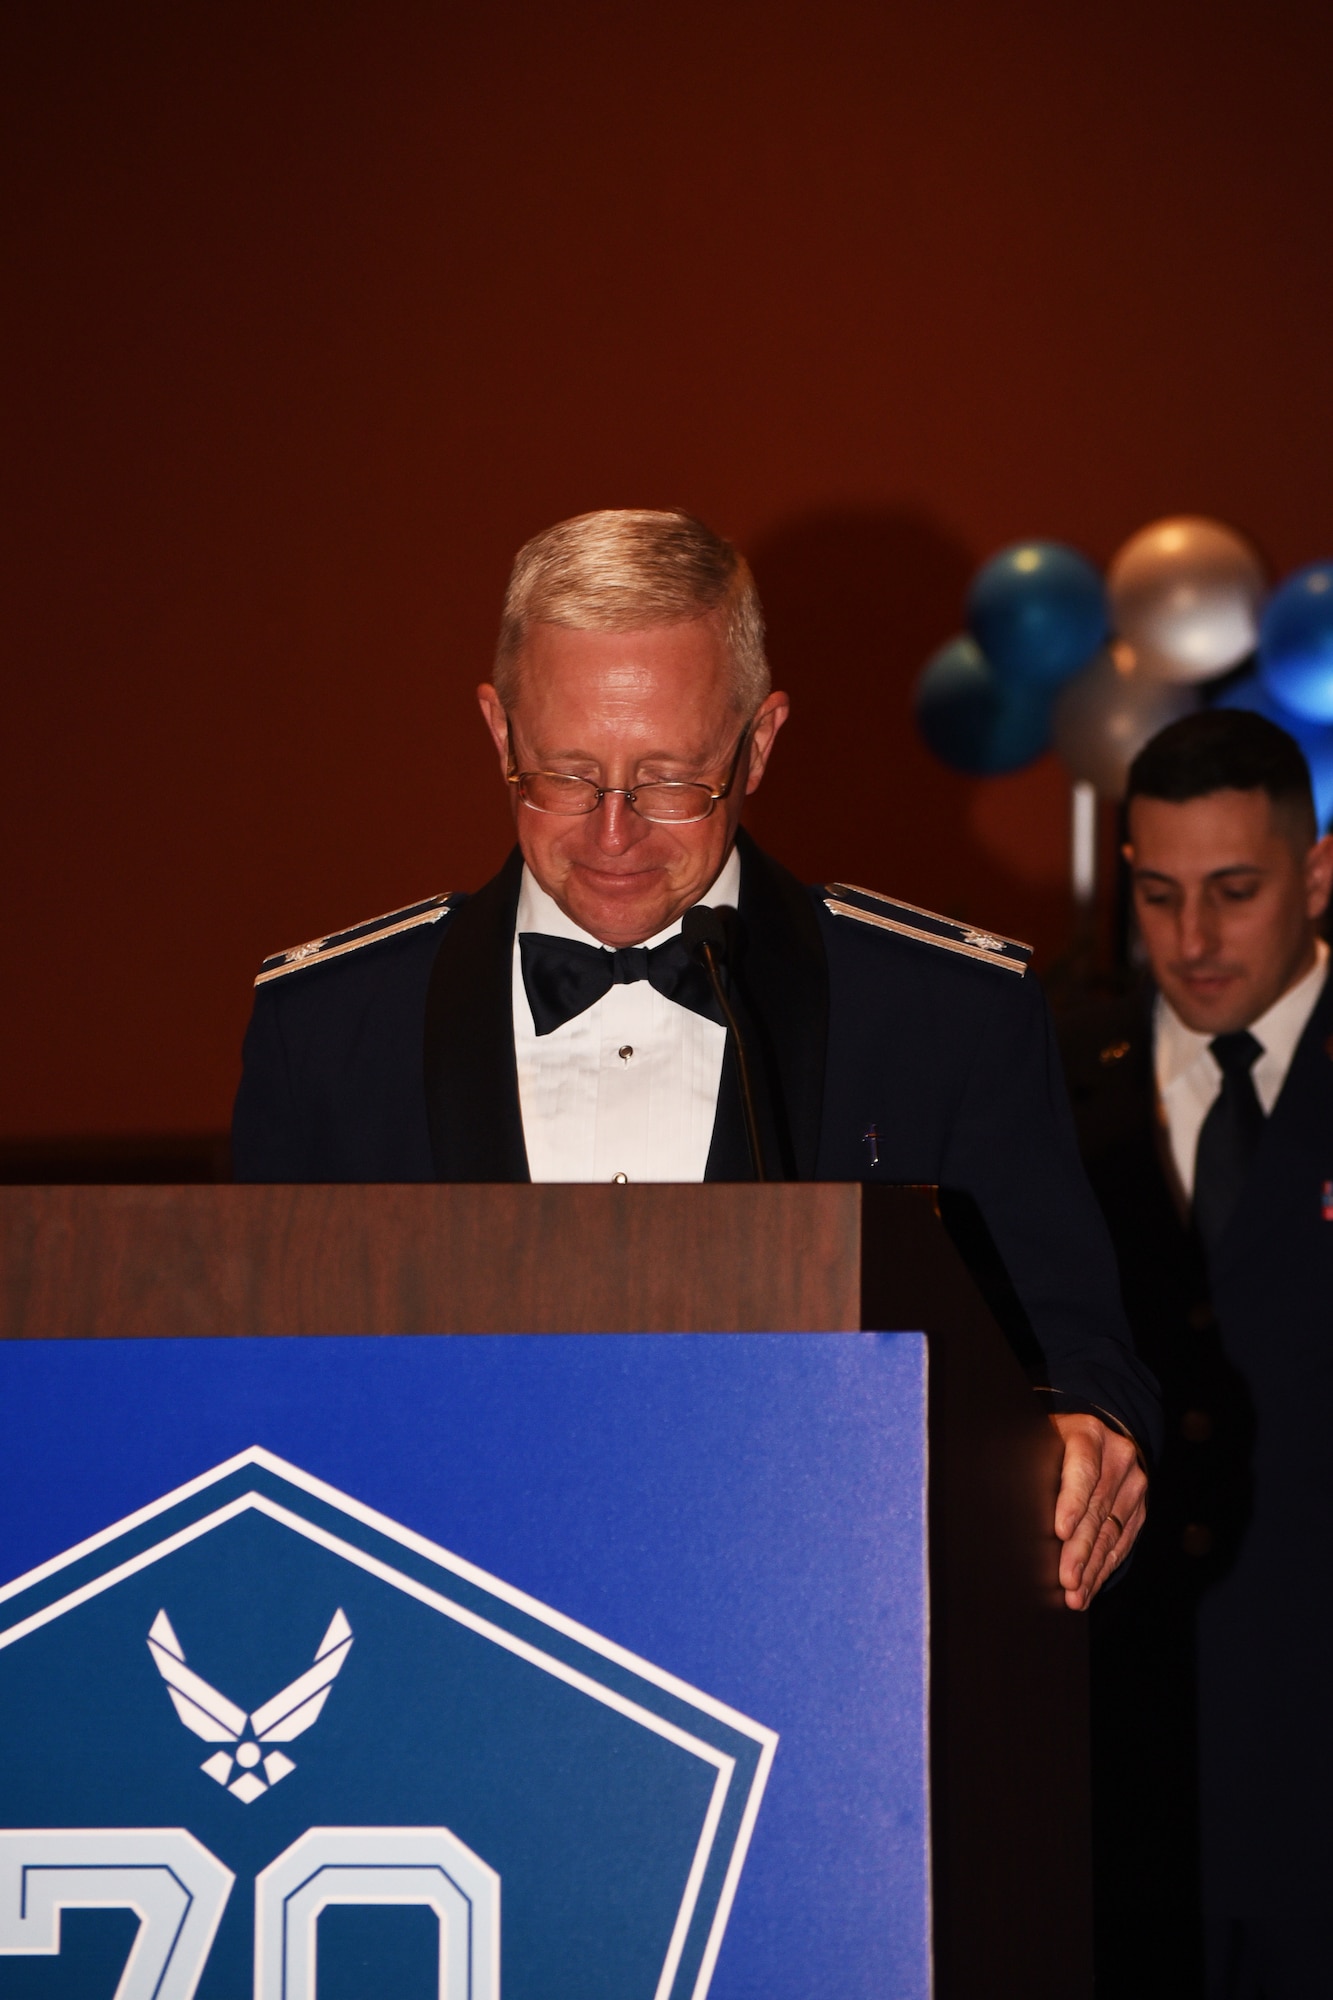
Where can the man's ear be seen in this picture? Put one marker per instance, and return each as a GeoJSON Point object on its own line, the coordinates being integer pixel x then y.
{"type": "Point", "coordinates": [496, 721]}
{"type": "Point", "coordinates": [769, 717]}
{"type": "Point", "coordinates": [1127, 844]}
{"type": "Point", "coordinates": [1319, 877]}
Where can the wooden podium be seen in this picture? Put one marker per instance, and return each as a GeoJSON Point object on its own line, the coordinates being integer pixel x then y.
{"type": "Point", "coordinates": [1010, 1859]}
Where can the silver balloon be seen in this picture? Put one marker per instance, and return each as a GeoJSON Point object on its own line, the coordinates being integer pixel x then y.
{"type": "Point", "coordinates": [1186, 594]}
{"type": "Point", "coordinates": [1105, 715]}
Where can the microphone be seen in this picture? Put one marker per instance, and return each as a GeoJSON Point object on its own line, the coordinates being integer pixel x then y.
{"type": "Point", "coordinates": [703, 932]}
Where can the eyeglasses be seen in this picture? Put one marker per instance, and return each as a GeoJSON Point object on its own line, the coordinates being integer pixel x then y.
{"type": "Point", "coordinates": [664, 801]}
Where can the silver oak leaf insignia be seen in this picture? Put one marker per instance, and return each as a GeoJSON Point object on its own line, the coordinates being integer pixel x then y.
{"type": "Point", "coordinates": [215, 1719]}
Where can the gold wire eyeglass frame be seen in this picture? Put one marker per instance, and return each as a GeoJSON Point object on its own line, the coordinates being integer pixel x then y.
{"type": "Point", "coordinates": [596, 793]}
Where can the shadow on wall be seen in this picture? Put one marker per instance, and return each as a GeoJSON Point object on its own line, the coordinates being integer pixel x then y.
{"type": "Point", "coordinates": [856, 601]}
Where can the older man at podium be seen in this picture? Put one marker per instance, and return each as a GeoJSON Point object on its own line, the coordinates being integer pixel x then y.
{"type": "Point", "coordinates": [641, 994]}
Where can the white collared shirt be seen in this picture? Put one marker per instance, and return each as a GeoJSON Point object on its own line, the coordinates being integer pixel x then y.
{"type": "Point", "coordinates": [1189, 1078]}
{"type": "Point", "coordinates": [629, 1087]}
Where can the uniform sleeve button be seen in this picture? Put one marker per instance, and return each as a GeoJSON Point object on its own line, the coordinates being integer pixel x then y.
{"type": "Point", "coordinates": [1201, 1317]}
{"type": "Point", "coordinates": [1197, 1540]}
{"type": "Point", "coordinates": [1196, 1426]}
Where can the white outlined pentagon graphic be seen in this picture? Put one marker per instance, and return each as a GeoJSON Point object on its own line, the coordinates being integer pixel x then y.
{"type": "Point", "coordinates": [614, 1802]}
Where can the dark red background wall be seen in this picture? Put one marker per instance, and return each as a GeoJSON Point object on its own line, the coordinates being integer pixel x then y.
{"type": "Point", "coordinates": [317, 311]}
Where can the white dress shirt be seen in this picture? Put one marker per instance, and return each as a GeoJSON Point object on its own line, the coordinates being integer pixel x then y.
{"type": "Point", "coordinates": [1189, 1078]}
{"type": "Point", "coordinates": [627, 1089]}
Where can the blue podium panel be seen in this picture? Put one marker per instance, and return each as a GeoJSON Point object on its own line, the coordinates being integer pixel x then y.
{"type": "Point", "coordinates": [557, 1667]}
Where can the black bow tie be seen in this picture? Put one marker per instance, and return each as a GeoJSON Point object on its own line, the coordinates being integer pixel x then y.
{"type": "Point", "coordinates": [564, 977]}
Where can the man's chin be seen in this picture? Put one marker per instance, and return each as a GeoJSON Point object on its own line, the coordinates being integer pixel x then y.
{"type": "Point", "coordinates": [1211, 1007]}
{"type": "Point", "coordinates": [618, 909]}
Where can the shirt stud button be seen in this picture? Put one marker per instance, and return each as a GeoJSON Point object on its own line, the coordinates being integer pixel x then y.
{"type": "Point", "coordinates": [625, 1053]}
{"type": "Point", "coordinates": [620, 1180]}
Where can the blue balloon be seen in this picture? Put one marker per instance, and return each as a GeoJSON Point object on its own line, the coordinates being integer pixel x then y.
{"type": "Point", "coordinates": [1038, 612]}
{"type": "Point", "coordinates": [1296, 643]}
{"type": "Point", "coordinates": [973, 720]}
{"type": "Point", "coordinates": [1315, 738]}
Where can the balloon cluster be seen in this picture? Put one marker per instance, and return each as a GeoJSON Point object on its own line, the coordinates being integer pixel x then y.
{"type": "Point", "coordinates": [1056, 656]}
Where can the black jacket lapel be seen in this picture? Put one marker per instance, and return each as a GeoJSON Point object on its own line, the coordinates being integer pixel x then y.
{"type": "Point", "coordinates": [780, 993]}
{"type": "Point", "coordinates": [1295, 1130]}
{"type": "Point", "coordinates": [471, 1079]}
{"type": "Point", "coordinates": [1304, 1091]}
{"type": "Point", "coordinates": [729, 1152]}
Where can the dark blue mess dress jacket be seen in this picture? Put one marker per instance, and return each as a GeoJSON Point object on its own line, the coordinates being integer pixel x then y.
{"type": "Point", "coordinates": [1213, 1665]}
{"type": "Point", "coordinates": [882, 1057]}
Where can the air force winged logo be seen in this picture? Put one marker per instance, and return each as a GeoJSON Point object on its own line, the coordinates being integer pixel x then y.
{"type": "Point", "coordinates": [217, 1720]}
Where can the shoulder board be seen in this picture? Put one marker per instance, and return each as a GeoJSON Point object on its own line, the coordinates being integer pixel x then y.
{"type": "Point", "coordinates": [340, 942]}
{"type": "Point", "coordinates": [926, 927]}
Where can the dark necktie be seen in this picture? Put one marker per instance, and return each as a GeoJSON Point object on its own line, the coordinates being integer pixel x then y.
{"type": "Point", "coordinates": [1229, 1136]}
{"type": "Point", "coordinates": [564, 977]}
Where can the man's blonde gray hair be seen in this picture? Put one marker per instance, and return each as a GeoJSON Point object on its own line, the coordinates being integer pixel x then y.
{"type": "Point", "coordinates": [625, 568]}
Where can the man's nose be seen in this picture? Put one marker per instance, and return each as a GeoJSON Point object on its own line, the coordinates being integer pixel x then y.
{"type": "Point", "coordinates": [1198, 931]}
{"type": "Point", "coordinates": [616, 826]}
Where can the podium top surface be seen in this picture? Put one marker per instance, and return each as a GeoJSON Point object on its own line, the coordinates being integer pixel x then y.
{"type": "Point", "coordinates": [89, 1262]}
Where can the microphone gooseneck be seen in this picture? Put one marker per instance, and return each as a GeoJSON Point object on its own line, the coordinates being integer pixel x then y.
{"type": "Point", "coordinates": [704, 935]}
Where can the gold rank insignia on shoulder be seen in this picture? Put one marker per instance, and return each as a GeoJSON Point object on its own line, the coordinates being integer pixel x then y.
{"type": "Point", "coordinates": [338, 943]}
{"type": "Point", "coordinates": [844, 899]}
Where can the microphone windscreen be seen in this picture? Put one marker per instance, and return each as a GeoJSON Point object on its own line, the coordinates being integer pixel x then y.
{"type": "Point", "coordinates": [704, 926]}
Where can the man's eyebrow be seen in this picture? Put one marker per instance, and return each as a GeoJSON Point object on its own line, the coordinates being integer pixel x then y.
{"type": "Point", "coordinates": [1213, 875]}
{"type": "Point", "coordinates": [644, 757]}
